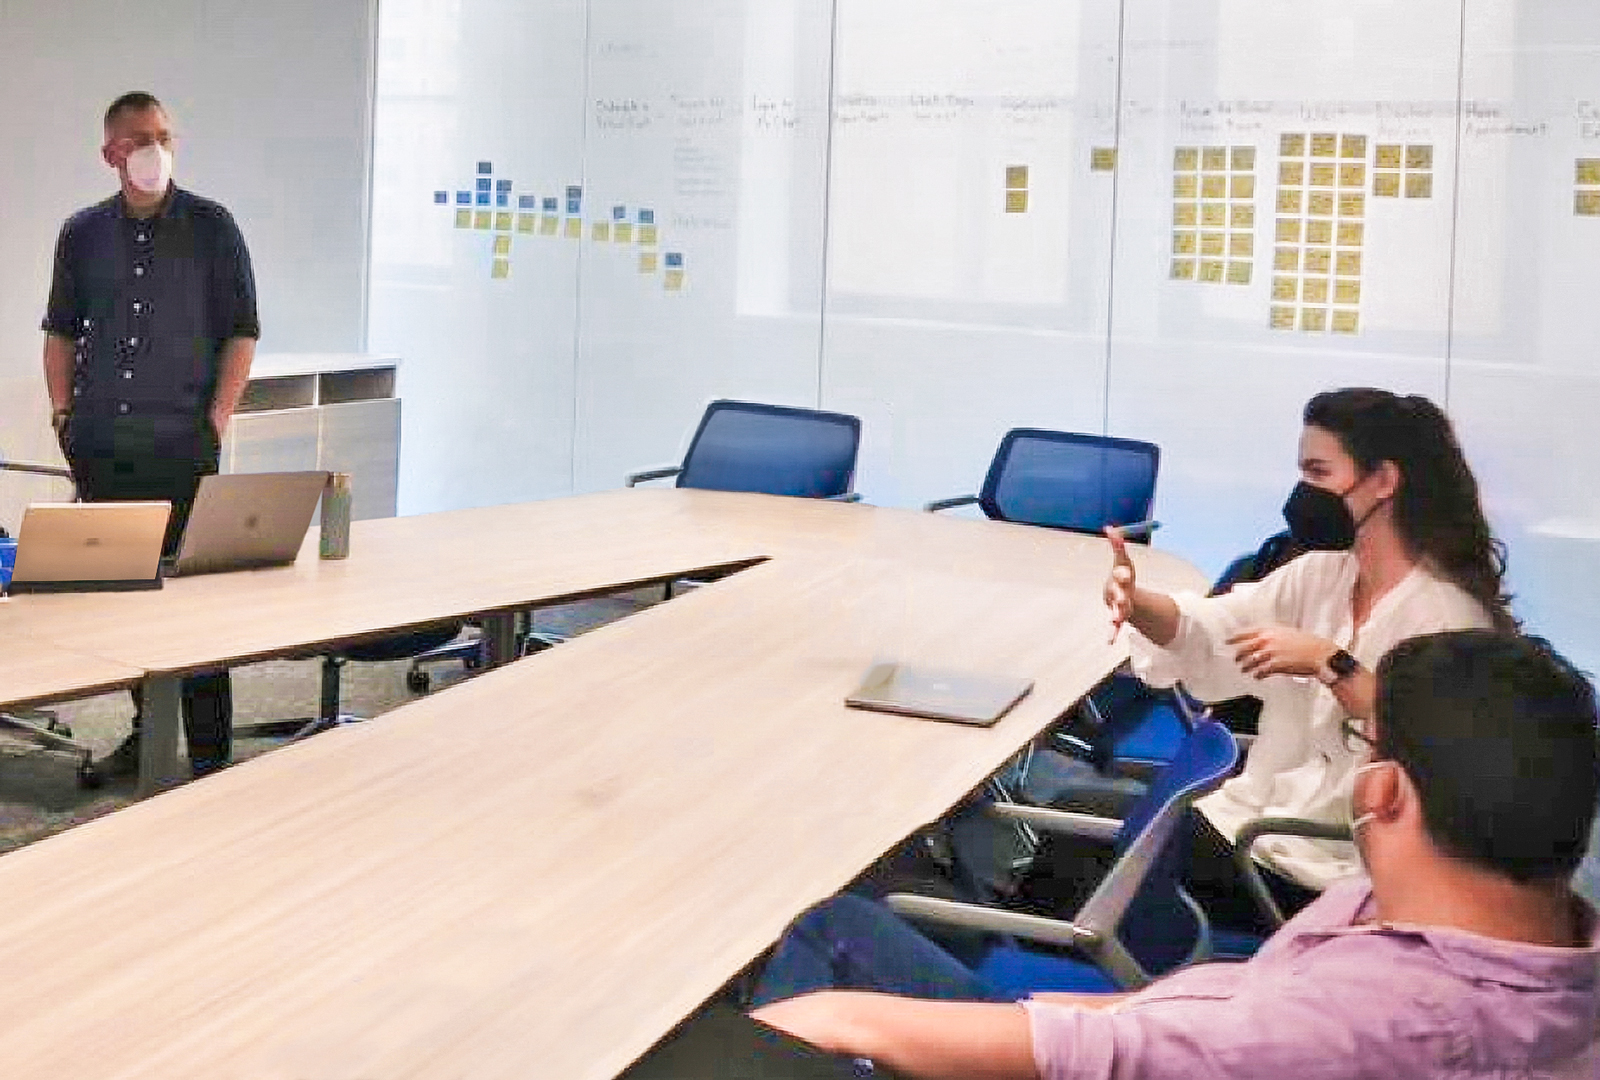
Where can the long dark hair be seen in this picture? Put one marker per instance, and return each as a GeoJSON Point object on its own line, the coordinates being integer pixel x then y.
{"type": "Point", "coordinates": [1436, 508]}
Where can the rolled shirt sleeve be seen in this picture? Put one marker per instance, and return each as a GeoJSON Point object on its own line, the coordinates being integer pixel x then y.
{"type": "Point", "coordinates": [233, 283]}
{"type": "Point", "coordinates": [62, 312]}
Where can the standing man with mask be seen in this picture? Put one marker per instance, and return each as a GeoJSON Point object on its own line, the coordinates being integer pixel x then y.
{"type": "Point", "coordinates": [149, 337]}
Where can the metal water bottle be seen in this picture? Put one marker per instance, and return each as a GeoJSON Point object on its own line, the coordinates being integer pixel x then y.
{"type": "Point", "coordinates": [335, 542]}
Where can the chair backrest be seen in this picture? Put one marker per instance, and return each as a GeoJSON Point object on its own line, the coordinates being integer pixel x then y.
{"type": "Point", "coordinates": [773, 449]}
{"type": "Point", "coordinates": [1139, 906]}
{"type": "Point", "coordinates": [1066, 480]}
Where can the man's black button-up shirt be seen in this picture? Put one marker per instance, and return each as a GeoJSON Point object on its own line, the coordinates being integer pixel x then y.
{"type": "Point", "coordinates": [150, 302]}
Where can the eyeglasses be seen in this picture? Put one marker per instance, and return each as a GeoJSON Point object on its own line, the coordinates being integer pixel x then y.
{"type": "Point", "coordinates": [1355, 738]}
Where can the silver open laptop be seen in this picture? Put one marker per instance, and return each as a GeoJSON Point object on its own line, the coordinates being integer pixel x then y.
{"type": "Point", "coordinates": [244, 521]}
{"type": "Point", "coordinates": [938, 695]}
{"type": "Point", "coordinates": [85, 547]}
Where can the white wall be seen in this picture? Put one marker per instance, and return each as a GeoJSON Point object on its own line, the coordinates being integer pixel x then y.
{"type": "Point", "coordinates": [271, 104]}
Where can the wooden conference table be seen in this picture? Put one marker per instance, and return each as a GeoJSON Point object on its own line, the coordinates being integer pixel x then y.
{"type": "Point", "coordinates": [540, 871]}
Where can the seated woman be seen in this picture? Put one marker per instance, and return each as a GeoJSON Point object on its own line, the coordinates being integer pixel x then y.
{"type": "Point", "coordinates": [1397, 546]}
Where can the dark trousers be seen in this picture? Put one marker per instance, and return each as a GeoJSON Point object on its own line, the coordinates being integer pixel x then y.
{"type": "Point", "coordinates": [159, 458]}
{"type": "Point", "coordinates": [1216, 882]}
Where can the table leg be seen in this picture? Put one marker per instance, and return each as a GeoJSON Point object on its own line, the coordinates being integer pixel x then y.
{"type": "Point", "coordinates": [158, 741]}
{"type": "Point", "coordinates": [500, 631]}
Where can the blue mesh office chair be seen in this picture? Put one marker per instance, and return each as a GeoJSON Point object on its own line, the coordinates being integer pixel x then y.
{"type": "Point", "coordinates": [770, 449]}
{"type": "Point", "coordinates": [1138, 922]}
{"type": "Point", "coordinates": [1068, 480]}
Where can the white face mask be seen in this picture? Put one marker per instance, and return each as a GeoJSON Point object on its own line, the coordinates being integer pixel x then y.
{"type": "Point", "coordinates": [150, 168]}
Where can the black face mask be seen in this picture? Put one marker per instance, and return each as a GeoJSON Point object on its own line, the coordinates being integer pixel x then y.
{"type": "Point", "coordinates": [1318, 519]}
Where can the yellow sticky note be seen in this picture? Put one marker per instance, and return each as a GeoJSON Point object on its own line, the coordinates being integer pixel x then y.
{"type": "Point", "coordinates": [1288, 231]}
{"type": "Point", "coordinates": [463, 219]}
{"type": "Point", "coordinates": [648, 261]}
{"type": "Point", "coordinates": [1345, 322]}
{"type": "Point", "coordinates": [1242, 216]}
{"type": "Point", "coordinates": [501, 269]}
{"type": "Point", "coordinates": [1588, 172]}
{"type": "Point", "coordinates": [1586, 204]}
{"type": "Point", "coordinates": [1322, 175]}
{"type": "Point", "coordinates": [601, 231]}
{"type": "Point", "coordinates": [1353, 146]}
{"type": "Point", "coordinates": [1313, 319]}
{"type": "Point", "coordinates": [1287, 259]}
{"type": "Point", "coordinates": [502, 245]}
{"type": "Point", "coordinates": [1388, 156]}
{"type": "Point", "coordinates": [1183, 269]}
{"type": "Point", "coordinates": [1213, 187]}
{"type": "Point", "coordinates": [1351, 233]}
{"type": "Point", "coordinates": [1185, 214]}
{"type": "Point", "coordinates": [1319, 232]}
{"type": "Point", "coordinates": [1353, 204]}
{"type": "Point", "coordinates": [1284, 288]}
{"type": "Point", "coordinates": [647, 235]}
{"type": "Point", "coordinates": [1347, 292]}
{"type": "Point", "coordinates": [1352, 176]}
{"type": "Point", "coordinates": [1016, 177]}
{"type": "Point", "coordinates": [574, 228]}
{"type": "Point", "coordinates": [1184, 186]}
{"type": "Point", "coordinates": [525, 222]}
{"type": "Point", "coordinates": [1211, 270]}
{"type": "Point", "coordinates": [1282, 318]}
{"type": "Point", "coordinates": [1292, 173]}
{"type": "Point", "coordinates": [673, 280]}
{"type": "Point", "coordinates": [1016, 202]}
{"type": "Point", "coordinates": [1102, 159]}
{"type": "Point", "coordinates": [1419, 157]}
{"type": "Point", "coordinates": [622, 232]}
{"type": "Point", "coordinates": [1242, 187]}
{"type": "Point", "coordinates": [1291, 146]}
{"type": "Point", "coordinates": [1185, 159]}
{"type": "Point", "coordinates": [1241, 245]}
{"type": "Point", "coordinates": [1238, 273]}
{"type": "Point", "coordinates": [502, 221]}
{"type": "Point", "coordinates": [1348, 264]}
{"type": "Point", "coordinates": [1213, 214]}
{"type": "Point", "coordinates": [1320, 204]}
{"type": "Point", "coordinates": [1386, 185]}
{"type": "Point", "coordinates": [1211, 243]}
{"type": "Point", "coordinates": [1324, 145]}
{"type": "Point", "coordinates": [549, 224]}
{"type": "Point", "coordinates": [1185, 243]}
{"type": "Point", "coordinates": [1242, 158]}
{"type": "Point", "coordinates": [1314, 290]}
{"type": "Point", "coordinates": [482, 219]}
{"type": "Point", "coordinates": [1317, 260]}
{"type": "Point", "coordinates": [1289, 200]}
{"type": "Point", "coordinates": [1419, 185]}
{"type": "Point", "coordinates": [1214, 159]}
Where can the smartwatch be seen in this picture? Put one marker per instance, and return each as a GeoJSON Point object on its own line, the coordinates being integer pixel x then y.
{"type": "Point", "coordinates": [1341, 665]}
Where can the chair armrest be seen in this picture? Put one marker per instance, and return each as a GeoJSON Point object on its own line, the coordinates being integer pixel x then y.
{"type": "Point", "coordinates": [37, 470]}
{"type": "Point", "coordinates": [1060, 822]}
{"type": "Point", "coordinates": [1245, 741]}
{"type": "Point", "coordinates": [849, 496]}
{"type": "Point", "coordinates": [1275, 826]}
{"type": "Point", "coordinates": [930, 909]}
{"type": "Point", "coordinates": [653, 474]}
{"type": "Point", "coordinates": [944, 504]}
{"type": "Point", "coordinates": [1140, 528]}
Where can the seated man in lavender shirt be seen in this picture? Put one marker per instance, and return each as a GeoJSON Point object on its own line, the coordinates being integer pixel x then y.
{"type": "Point", "coordinates": [1466, 953]}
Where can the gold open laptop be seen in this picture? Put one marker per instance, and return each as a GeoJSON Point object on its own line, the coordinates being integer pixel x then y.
{"type": "Point", "coordinates": [88, 547]}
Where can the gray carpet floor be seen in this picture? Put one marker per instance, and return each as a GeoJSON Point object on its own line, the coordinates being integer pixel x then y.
{"type": "Point", "coordinates": [39, 792]}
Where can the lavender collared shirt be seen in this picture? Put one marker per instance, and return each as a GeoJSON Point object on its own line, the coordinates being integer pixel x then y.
{"type": "Point", "coordinates": [1329, 997]}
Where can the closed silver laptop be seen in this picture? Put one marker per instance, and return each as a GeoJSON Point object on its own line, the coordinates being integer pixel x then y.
{"type": "Point", "coordinates": [245, 521]}
{"type": "Point", "coordinates": [960, 698]}
{"type": "Point", "coordinates": [87, 547]}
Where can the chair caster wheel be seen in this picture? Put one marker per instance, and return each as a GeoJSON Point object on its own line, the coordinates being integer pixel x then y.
{"type": "Point", "coordinates": [89, 777]}
{"type": "Point", "coordinates": [418, 681]}
{"type": "Point", "coordinates": [473, 661]}
{"type": "Point", "coordinates": [56, 727]}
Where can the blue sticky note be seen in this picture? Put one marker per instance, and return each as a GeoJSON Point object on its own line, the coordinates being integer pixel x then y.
{"type": "Point", "coordinates": [441, 196]}
{"type": "Point", "coordinates": [619, 213]}
{"type": "Point", "coordinates": [574, 192]}
{"type": "Point", "coordinates": [484, 184]}
{"type": "Point", "coordinates": [463, 198]}
{"type": "Point", "coordinates": [502, 185]}
{"type": "Point", "coordinates": [574, 206]}
{"type": "Point", "coordinates": [526, 202]}
{"type": "Point", "coordinates": [647, 217]}
{"type": "Point", "coordinates": [502, 199]}
{"type": "Point", "coordinates": [675, 259]}
{"type": "Point", "coordinates": [483, 198]}
{"type": "Point", "coordinates": [551, 205]}
{"type": "Point", "coordinates": [484, 168]}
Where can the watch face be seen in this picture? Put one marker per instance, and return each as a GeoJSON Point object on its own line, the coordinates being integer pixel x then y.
{"type": "Point", "coordinates": [1342, 663]}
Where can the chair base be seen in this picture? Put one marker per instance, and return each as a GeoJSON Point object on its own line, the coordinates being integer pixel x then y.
{"type": "Point", "coordinates": [43, 729]}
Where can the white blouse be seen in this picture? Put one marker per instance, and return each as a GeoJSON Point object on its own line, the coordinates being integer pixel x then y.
{"type": "Point", "coordinates": [1299, 765]}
